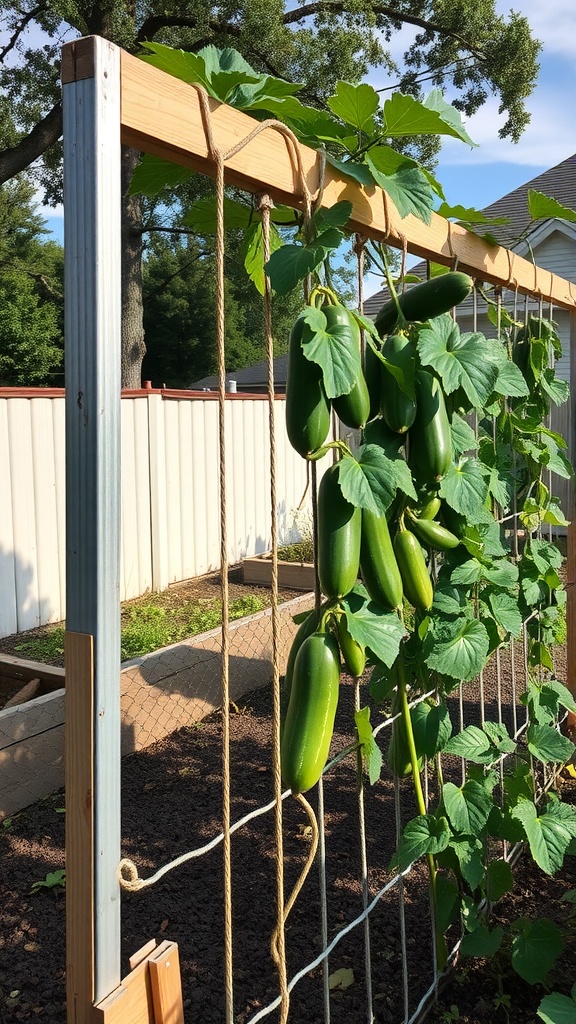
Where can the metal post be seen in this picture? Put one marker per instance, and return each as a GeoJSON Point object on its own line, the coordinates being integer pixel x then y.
{"type": "Point", "coordinates": [91, 105]}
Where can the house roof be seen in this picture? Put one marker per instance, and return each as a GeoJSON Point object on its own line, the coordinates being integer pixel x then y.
{"type": "Point", "coordinates": [252, 378]}
{"type": "Point", "coordinates": [558, 182]}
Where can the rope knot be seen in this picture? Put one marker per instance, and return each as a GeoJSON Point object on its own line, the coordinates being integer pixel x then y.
{"type": "Point", "coordinates": [128, 876]}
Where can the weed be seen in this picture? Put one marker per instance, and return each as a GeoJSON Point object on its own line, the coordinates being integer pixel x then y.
{"type": "Point", "coordinates": [48, 647]}
{"type": "Point", "coordinates": [53, 880]}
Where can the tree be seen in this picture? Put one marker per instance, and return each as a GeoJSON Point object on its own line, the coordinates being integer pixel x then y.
{"type": "Point", "coordinates": [31, 299]}
{"type": "Point", "coordinates": [317, 42]}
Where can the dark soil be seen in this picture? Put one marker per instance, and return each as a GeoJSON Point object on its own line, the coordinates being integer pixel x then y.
{"type": "Point", "coordinates": [171, 803]}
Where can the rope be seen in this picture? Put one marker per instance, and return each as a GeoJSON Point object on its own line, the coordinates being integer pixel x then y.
{"type": "Point", "coordinates": [265, 204]}
{"type": "Point", "coordinates": [300, 882]}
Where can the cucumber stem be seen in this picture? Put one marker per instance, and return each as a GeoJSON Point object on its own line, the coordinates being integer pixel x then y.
{"type": "Point", "coordinates": [441, 951]}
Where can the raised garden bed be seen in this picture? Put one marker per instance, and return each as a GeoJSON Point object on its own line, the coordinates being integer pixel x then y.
{"type": "Point", "coordinates": [160, 692]}
{"type": "Point", "coordinates": [293, 575]}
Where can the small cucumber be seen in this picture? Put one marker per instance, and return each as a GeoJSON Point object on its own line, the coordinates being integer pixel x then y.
{"type": "Point", "coordinates": [430, 509]}
{"type": "Point", "coordinates": [416, 580]}
{"type": "Point", "coordinates": [430, 437]}
{"type": "Point", "coordinates": [353, 655]}
{"type": "Point", "coordinates": [378, 565]}
{"type": "Point", "coordinates": [309, 722]}
{"type": "Point", "coordinates": [354, 408]}
{"type": "Point", "coordinates": [432, 533]}
{"type": "Point", "coordinates": [425, 301]}
{"type": "Point", "coordinates": [339, 531]}
{"type": "Point", "coordinates": [397, 408]}
{"type": "Point", "coordinates": [372, 368]}
{"type": "Point", "coordinates": [307, 407]}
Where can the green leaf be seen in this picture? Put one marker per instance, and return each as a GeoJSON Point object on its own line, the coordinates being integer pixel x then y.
{"type": "Point", "coordinates": [563, 695]}
{"type": "Point", "coordinates": [371, 753]}
{"type": "Point", "coordinates": [541, 206]}
{"type": "Point", "coordinates": [499, 880]}
{"type": "Point", "coordinates": [536, 948]}
{"type": "Point", "coordinates": [371, 480]}
{"type": "Point", "coordinates": [407, 186]}
{"type": "Point", "coordinates": [465, 489]}
{"type": "Point", "coordinates": [558, 390]}
{"type": "Point", "coordinates": [336, 216]}
{"type": "Point", "coordinates": [482, 942]}
{"type": "Point", "coordinates": [463, 437]}
{"type": "Point", "coordinates": [468, 807]}
{"type": "Point", "coordinates": [446, 901]}
{"type": "Point", "coordinates": [254, 258]}
{"type": "Point", "coordinates": [469, 853]}
{"type": "Point", "coordinates": [548, 745]}
{"type": "Point", "coordinates": [201, 215]}
{"type": "Point", "coordinates": [154, 174]}
{"type": "Point", "coordinates": [356, 105]}
{"type": "Point", "coordinates": [460, 360]}
{"type": "Point", "coordinates": [432, 727]}
{"type": "Point", "coordinates": [182, 64]}
{"type": "Point", "coordinates": [424, 834]}
{"type": "Point", "coordinates": [474, 745]}
{"type": "Point", "coordinates": [458, 648]}
{"type": "Point", "coordinates": [290, 265]}
{"type": "Point", "coordinates": [359, 173]}
{"type": "Point", "coordinates": [381, 632]}
{"type": "Point", "coordinates": [468, 215]}
{"type": "Point", "coordinates": [403, 115]}
{"type": "Point", "coordinates": [557, 1009]}
{"type": "Point", "coordinates": [333, 347]}
{"type": "Point", "coordinates": [549, 833]}
{"type": "Point", "coordinates": [510, 381]}
{"type": "Point", "coordinates": [506, 612]}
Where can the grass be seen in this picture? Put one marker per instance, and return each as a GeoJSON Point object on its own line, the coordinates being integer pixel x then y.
{"type": "Point", "coordinates": [300, 551]}
{"type": "Point", "coordinates": [149, 625]}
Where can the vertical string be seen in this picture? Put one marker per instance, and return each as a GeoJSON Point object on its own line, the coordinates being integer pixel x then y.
{"type": "Point", "coordinates": [401, 903]}
{"type": "Point", "coordinates": [364, 867]}
{"type": "Point", "coordinates": [226, 844]}
{"type": "Point", "coordinates": [265, 204]}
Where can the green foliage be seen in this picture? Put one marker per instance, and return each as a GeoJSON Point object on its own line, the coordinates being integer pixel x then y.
{"type": "Point", "coordinates": [53, 880]}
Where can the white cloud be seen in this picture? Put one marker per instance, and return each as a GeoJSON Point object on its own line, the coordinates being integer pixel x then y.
{"type": "Point", "coordinates": [552, 21]}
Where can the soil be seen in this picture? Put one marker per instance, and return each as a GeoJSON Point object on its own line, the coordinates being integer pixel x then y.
{"type": "Point", "coordinates": [171, 803]}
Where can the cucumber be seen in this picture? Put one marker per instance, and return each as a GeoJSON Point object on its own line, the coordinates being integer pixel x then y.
{"type": "Point", "coordinates": [353, 655]}
{"type": "Point", "coordinates": [311, 712]}
{"type": "Point", "coordinates": [305, 629]}
{"type": "Point", "coordinates": [398, 754]}
{"type": "Point", "coordinates": [354, 408]}
{"type": "Point", "coordinates": [372, 368]}
{"type": "Point", "coordinates": [416, 580]}
{"type": "Point", "coordinates": [430, 509]}
{"type": "Point", "coordinates": [425, 301]}
{"type": "Point", "coordinates": [339, 531]}
{"type": "Point", "coordinates": [378, 565]}
{"type": "Point", "coordinates": [397, 408]}
{"type": "Point", "coordinates": [430, 454]}
{"type": "Point", "coordinates": [307, 407]}
{"type": "Point", "coordinates": [432, 533]}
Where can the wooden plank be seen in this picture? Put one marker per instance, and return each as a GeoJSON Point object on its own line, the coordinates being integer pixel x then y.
{"type": "Point", "coordinates": [162, 115]}
{"type": "Point", "coordinates": [79, 828]}
{"type": "Point", "coordinates": [166, 985]}
{"type": "Point", "coordinates": [142, 953]}
{"type": "Point", "coordinates": [22, 668]}
{"type": "Point", "coordinates": [130, 1003]}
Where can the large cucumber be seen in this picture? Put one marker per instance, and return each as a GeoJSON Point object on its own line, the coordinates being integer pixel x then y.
{"type": "Point", "coordinates": [372, 368]}
{"type": "Point", "coordinates": [305, 629]}
{"type": "Point", "coordinates": [412, 565]}
{"type": "Point", "coordinates": [307, 408]}
{"type": "Point", "coordinates": [309, 722]}
{"type": "Point", "coordinates": [339, 530]}
{"type": "Point", "coordinates": [430, 437]}
{"type": "Point", "coordinates": [354, 408]}
{"type": "Point", "coordinates": [397, 408]}
{"type": "Point", "coordinates": [378, 565]}
{"type": "Point", "coordinates": [425, 301]}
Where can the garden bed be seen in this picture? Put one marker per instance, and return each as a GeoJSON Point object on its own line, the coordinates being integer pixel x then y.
{"type": "Point", "coordinates": [160, 691]}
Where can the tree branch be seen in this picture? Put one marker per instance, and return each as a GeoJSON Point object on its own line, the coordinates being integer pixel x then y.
{"type": "Point", "coordinates": [27, 18]}
{"type": "Point", "coordinates": [339, 7]}
{"type": "Point", "coordinates": [42, 136]}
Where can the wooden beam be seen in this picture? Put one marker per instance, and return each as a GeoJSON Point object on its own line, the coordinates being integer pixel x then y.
{"type": "Point", "coordinates": [79, 828]}
{"type": "Point", "coordinates": [150, 994]}
{"type": "Point", "coordinates": [20, 668]}
{"type": "Point", "coordinates": [162, 115]}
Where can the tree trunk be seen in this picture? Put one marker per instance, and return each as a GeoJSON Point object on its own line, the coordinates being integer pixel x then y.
{"type": "Point", "coordinates": [133, 347]}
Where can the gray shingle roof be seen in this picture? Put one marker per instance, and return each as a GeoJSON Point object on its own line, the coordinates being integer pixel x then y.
{"type": "Point", "coordinates": [251, 378]}
{"type": "Point", "coordinates": [558, 182]}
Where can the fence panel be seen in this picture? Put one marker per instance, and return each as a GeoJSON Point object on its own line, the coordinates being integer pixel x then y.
{"type": "Point", "coordinates": [170, 489]}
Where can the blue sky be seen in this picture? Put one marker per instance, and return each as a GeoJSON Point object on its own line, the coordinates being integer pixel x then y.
{"type": "Point", "coordinates": [477, 177]}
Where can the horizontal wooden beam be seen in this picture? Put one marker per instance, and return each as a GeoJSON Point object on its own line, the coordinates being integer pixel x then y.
{"type": "Point", "coordinates": [162, 115]}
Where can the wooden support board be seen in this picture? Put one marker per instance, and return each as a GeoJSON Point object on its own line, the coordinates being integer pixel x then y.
{"type": "Point", "coordinates": [161, 115]}
{"type": "Point", "coordinates": [150, 994]}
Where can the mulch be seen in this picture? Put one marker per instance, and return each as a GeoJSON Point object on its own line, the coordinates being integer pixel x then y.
{"type": "Point", "coordinates": [171, 803]}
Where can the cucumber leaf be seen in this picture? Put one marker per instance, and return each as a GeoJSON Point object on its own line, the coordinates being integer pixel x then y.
{"type": "Point", "coordinates": [404, 115]}
{"type": "Point", "coordinates": [254, 262]}
{"type": "Point", "coordinates": [549, 833]}
{"type": "Point", "coordinates": [465, 489]}
{"type": "Point", "coordinates": [381, 632]}
{"type": "Point", "coordinates": [468, 807]}
{"type": "Point", "coordinates": [371, 480]}
{"type": "Point", "coordinates": [406, 185]}
{"type": "Point", "coordinates": [536, 948]}
{"type": "Point", "coordinates": [425, 834]}
{"type": "Point", "coordinates": [153, 174]}
{"type": "Point", "coordinates": [355, 104]}
{"type": "Point", "coordinates": [457, 648]}
{"type": "Point", "coordinates": [332, 347]}
{"type": "Point", "coordinates": [558, 1009]}
{"type": "Point", "coordinates": [460, 360]}
{"type": "Point", "coordinates": [482, 942]}
{"type": "Point", "coordinates": [548, 745]}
